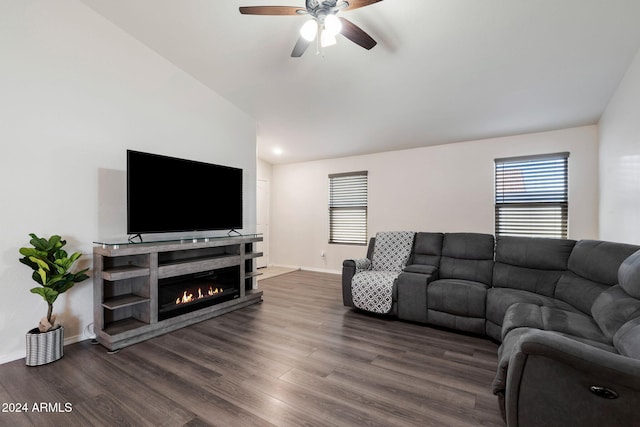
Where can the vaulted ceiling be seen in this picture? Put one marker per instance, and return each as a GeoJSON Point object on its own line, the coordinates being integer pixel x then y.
{"type": "Point", "coordinates": [443, 70]}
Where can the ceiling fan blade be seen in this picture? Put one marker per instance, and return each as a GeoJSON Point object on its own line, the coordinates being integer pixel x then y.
{"type": "Point", "coordinates": [271, 10]}
{"type": "Point", "coordinates": [356, 34]}
{"type": "Point", "coordinates": [355, 4]}
{"type": "Point", "coordinates": [301, 46]}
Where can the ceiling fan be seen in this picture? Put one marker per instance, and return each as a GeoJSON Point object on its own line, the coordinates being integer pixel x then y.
{"type": "Point", "coordinates": [323, 22]}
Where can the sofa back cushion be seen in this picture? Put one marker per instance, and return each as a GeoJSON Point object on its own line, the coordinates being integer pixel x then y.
{"type": "Point", "coordinates": [530, 263]}
{"type": "Point", "coordinates": [613, 308]}
{"type": "Point", "coordinates": [629, 274]}
{"type": "Point", "coordinates": [391, 250]}
{"type": "Point", "coordinates": [592, 268]}
{"type": "Point", "coordinates": [627, 339]}
{"type": "Point", "coordinates": [427, 249]}
{"type": "Point", "coordinates": [467, 256]}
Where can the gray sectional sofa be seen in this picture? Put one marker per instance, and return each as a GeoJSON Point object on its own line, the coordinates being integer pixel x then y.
{"type": "Point", "coordinates": [566, 314]}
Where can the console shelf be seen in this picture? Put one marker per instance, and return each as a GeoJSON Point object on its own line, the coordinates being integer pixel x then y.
{"type": "Point", "coordinates": [120, 327]}
{"type": "Point", "coordinates": [125, 272]}
{"type": "Point", "coordinates": [196, 265]}
{"type": "Point", "coordinates": [123, 301]}
{"type": "Point", "coordinates": [253, 274]}
{"type": "Point", "coordinates": [126, 284]}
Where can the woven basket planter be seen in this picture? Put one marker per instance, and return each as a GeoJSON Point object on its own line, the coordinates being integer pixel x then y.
{"type": "Point", "coordinates": [44, 347]}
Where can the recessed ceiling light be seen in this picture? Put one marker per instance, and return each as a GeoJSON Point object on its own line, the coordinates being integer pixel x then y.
{"type": "Point", "coordinates": [277, 151]}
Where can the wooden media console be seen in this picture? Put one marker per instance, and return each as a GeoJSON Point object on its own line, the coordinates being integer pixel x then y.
{"type": "Point", "coordinates": [137, 284]}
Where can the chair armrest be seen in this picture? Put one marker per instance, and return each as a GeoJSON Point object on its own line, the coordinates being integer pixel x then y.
{"type": "Point", "coordinates": [349, 268]}
{"type": "Point", "coordinates": [555, 380]}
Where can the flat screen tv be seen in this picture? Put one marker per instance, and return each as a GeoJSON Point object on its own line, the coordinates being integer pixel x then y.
{"type": "Point", "coordinates": [167, 194]}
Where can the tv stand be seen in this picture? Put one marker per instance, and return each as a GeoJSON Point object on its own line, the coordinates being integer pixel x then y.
{"type": "Point", "coordinates": [127, 278]}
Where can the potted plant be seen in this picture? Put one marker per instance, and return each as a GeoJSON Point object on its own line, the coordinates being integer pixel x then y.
{"type": "Point", "coordinates": [51, 266]}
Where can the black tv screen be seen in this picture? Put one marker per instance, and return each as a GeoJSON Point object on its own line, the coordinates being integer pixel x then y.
{"type": "Point", "coordinates": [167, 194]}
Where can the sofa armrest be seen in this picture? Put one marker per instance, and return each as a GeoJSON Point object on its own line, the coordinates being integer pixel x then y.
{"type": "Point", "coordinates": [555, 380]}
{"type": "Point", "coordinates": [412, 296]}
{"type": "Point", "coordinates": [349, 268]}
{"type": "Point", "coordinates": [362, 264]}
{"type": "Point", "coordinates": [348, 271]}
{"type": "Point", "coordinates": [431, 270]}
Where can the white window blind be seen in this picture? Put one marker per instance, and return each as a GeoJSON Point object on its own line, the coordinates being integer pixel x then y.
{"type": "Point", "coordinates": [532, 196]}
{"type": "Point", "coordinates": [348, 208]}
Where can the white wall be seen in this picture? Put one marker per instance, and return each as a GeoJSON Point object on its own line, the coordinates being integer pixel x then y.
{"type": "Point", "coordinates": [620, 161]}
{"type": "Point", "coordinates": [75, 93]}
{"type": "Point", "coordinates": [444, 188]}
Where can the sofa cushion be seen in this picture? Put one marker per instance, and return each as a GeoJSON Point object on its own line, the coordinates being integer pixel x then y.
{"type": "Point", "coordinates": [627, 339]}
{"type": "Point", "coordinates": [467, 256]}
{"type": "Point", "coordinates": [427, 249]}
{"type": "Point", "coordinates": [500, 299]}
{"type": "Point", "coordinates": [534, 252]}
{"type": "Point", "coordinates": [492, 330]}
{"type": "Point", "coordinates": [592, 268]}
{"type": "Point", "coordinates": [579, 292]}
{"type": "Point", "coordinates": [459, 297]}
{"type": "Point", "coordinates": [474, 325]}
{"type": "Point", "coordinates": [629, 274]}
{"type": "Point", "coordinates": [613, 308]}
{"type": "Point", "coordinates": [523, 315]}
{"type": "Point", "coordinates": [599, 260]}
{"type": "Point", "coordinates": [391, 250]}
{"type": "Point", "coordinates": [530, 264]}
{"type": "Point", "coordinates": [373, 290]}
{"type": "Point", "coordinates": [541, 282]}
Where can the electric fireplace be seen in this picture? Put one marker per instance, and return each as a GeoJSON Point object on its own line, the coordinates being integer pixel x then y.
{"type": "Point", "coordinates": [184, 294]}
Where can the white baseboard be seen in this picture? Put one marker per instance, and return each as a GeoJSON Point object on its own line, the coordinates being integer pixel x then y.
{"type": "Point", "coordinates": [297, 267]}
{"type": "Point", "coordinates": [6, 358]}
{"type": "Point", "coordinates": [293, 267]}
{"type": "Point", "coordinates": [321, 270]}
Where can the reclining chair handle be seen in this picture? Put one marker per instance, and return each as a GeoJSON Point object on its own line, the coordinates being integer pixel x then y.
{"type": "Point", "coordinates": [604, 392]}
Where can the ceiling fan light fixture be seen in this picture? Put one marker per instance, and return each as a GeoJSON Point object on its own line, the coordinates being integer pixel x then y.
{"type": "Point", "coordinates": [327, 39]}
{"type": "Point", "coordinates": [332, 25]}
{"type": "Point", "coordinates": [309, 30]}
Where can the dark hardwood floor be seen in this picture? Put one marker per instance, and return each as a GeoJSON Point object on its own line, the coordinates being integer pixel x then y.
{"type": "Point", "coordinates": [298, 359]}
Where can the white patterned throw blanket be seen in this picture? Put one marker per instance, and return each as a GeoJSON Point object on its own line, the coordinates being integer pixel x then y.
{"type": "Point", "coordinates": [372, 289]}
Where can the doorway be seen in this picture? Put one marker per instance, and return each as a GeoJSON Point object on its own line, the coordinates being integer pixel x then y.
{"type": "Point", "coordinates": [262, 221]}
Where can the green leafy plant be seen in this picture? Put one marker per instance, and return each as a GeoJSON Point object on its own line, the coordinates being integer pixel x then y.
{"type": "Point", "coordinates": [51, 264]}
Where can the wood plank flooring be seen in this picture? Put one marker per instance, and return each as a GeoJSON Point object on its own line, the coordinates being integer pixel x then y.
{"type": "Point", "coordinates": [273, 271]}
{"type": "Point", "coordinates": [298, 359]}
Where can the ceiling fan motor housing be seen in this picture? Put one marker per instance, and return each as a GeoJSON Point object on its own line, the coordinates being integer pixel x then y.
{"type": "Point", "coordinates": [321, 9]}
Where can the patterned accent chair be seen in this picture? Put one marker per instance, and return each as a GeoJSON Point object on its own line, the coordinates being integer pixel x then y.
{"type": "Point", "coordinates": [372, 285]}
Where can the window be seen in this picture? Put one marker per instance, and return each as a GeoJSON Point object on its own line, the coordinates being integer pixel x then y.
{"type": "Point", "coordinates": [348, 208]}
{"type": "Point", "coordinates": [532, 196]}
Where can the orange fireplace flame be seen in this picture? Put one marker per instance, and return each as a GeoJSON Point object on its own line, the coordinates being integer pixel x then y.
{"type": "Point", "coordinates": [188, 297]}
